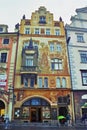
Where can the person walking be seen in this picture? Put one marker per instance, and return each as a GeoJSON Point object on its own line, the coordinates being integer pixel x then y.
{"type": "Point", "coordinates": [68, 119]}
{"type": "Point", "coordinates": [6, 122]}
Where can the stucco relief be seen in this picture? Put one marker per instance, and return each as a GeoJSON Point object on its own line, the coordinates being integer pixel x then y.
{"type": "Point", "coordinates": [52, 82]}
{"type": "Point", "coordinates": [53, 96]}
{"type": "Point", "coordinates": [44, 63]}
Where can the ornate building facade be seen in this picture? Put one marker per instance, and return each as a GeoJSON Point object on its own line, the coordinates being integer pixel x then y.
{"type": "Point", "coordinates": [42, 78]}
{"type": "Point", "coordinates": [77, 50]}
{"type": "Point", "coordinates": [8, 44]}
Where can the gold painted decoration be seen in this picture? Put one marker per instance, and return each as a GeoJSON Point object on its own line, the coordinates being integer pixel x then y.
{"type": "Point", "coordinates": [52, 82]}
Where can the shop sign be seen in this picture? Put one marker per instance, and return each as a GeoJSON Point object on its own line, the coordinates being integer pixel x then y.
{"type": "Point", "coordinates": [3, 80]}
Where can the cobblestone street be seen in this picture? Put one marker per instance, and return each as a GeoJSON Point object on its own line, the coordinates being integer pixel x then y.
{"type": "Point", "coordinates": [26, 126]}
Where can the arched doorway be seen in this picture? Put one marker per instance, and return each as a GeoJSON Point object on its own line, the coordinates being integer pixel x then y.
{"type": "Point", "coordinates": [2, 108]}
{"type": "Point", "coordinates": [36, 109]}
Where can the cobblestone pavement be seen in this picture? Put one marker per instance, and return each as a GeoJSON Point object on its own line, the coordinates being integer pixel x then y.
{"type": "Point", "coordinates": [36, 126]}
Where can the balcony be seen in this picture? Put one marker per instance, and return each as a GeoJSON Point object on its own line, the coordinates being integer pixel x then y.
{"type": "Point", "coordinates": [29, 69]}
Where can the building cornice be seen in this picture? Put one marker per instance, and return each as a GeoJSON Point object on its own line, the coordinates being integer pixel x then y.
{"type": "Point", "coordinates": [67, 27]}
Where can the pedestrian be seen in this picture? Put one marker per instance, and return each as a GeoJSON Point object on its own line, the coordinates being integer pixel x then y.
{"type": "Point", "coordinates": [68, 119]}
{"type": "Point", "coordinates": [6, 122]}
{"type": "Point", "coordinates": [84, 117]}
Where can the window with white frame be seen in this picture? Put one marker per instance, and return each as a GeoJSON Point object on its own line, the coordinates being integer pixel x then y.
{"type": "Point", "coordinates": [58, 84]}
{"type": "Point", "coordinates": [37, 31]}
{"type": "Point", "coordinates": [83, 56]}
{"type": "Point", "coordinates": [40, 82]}
{"type": "Point", "coordinates": [64, 82]}
{"type": "Point", "coordinates": [26, 44]}
{"type": "Point", "coordinates": [35, 45]}
{"type": "Point", "coordinates": [56, 64]}
{"type": "Point", "coordinates": [58, 47]}
{"type": "Point", "coordinates": [45, 82]}
{"type": "Point", "coordinates": [52, 47]}
{"type": "Point", "coordinates": [84, 77]}
{"type": "Point", "coordinates": [29, 61]}
{"type": "Point", "coordinates": [80, 38]}
{"type": "Point", "coordinates": [42, 19]}
{"type": "Point", "coordinates": [25, 81]}
{"type": "Point", "coordinates": [47, 31]}
{"type": "Point", "coordinates": [27, 30]}
{"type": "Point", "coordinates": [57, 32]}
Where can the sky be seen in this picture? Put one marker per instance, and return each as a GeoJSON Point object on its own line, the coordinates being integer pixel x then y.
{"type": "Point", "coordinates": [11, 11]}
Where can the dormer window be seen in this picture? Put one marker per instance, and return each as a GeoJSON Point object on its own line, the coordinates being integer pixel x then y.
{"type": "Point", "coordinates": [42, 20]}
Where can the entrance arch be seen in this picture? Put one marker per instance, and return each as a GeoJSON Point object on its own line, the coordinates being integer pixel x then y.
{"type": "Point", "coordinates": [36, 109]}
{"type": "Point", "coordinates": [2, 108]}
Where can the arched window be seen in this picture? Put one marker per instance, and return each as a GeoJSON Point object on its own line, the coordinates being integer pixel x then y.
{"type": "Point", "coordinates": [45, 82]}
{"type": "Point", "coordinates": [40, 82]}
{"type": "Point", "coordinates": [64, 82]}
{"type": "Point", "coordinates": [58, 85]}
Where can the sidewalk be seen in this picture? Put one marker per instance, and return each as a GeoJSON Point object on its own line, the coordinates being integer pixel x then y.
{"type": "Point", "coordinates": [19, 125]}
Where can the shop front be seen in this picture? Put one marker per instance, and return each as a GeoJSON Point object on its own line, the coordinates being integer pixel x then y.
{"type": "Point", "coordinates": [35, 109]}
{"type": "Point", "coordinates": [80, 102]}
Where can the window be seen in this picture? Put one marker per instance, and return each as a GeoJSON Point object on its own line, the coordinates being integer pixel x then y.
{"type": "Point", "coordinates": [42, 20]}
{"type": "Point", "coordinates": [57, 32]}
{"type": "Point", "coordinates": [62, 100]}
{"type": "Point", "coordinates": [35, 45]}
{"type": "Point", "coordinates": [3, 57]}
{"type": "Point", "coordinates": [83, 56]}
{"type": "Point", "coordinates": [84, 77]}
{"type": "Point", "coordinates": [56, 64]}
{"type": "Point", "coordinates": [58, 85]}
{"type": "Point", "coordinates": [47, 31]}
{"type": "Point", "coordinates": [80, 38]}
{"type": "Point", "coordinates": [46, 112]}
{"type": "Point", "coordinates": [26, 45]}
{"type": "Point", "coordinates": [27, 30]}
{"type": "Point", "coordinates": [51, 47]}
{"type": "Point", "coordinates": [25, 81]}
{"type": "Point", "coordinates": [58, 47]}
{"type": "Point", "coordinates": [64, 82]}
{"type": "Point", "coordinates": [36, 30]}
{"type": "Point", "coordinates": [1, 29]}
{"type": "Point", "coordinates": [6, 41]}
{"type": "Point", "coordinates": [29, 61]}
{"type": "Point", "coordinates": [45, 82]}
{"type": "Point", "coordinates": [40, 82]}
{"type": "Point", "coordinates": [32, 82]}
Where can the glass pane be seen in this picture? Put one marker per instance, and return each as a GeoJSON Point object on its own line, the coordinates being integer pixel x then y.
{"type": "Point", "coordinates": [58, 83]}
{"type": "Point", "coordinates": [46, 82]}
{"type": "Point", "coordinates": [63, 82]}
{"type": "Point", "coordinates": [40, 82]}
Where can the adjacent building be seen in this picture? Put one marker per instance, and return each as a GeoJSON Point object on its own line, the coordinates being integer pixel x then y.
{"type": "Point", "coordinates": [42, 79]}
{"type": "Point", "coordinates": [8, 46]}
{"type": "Point", "coordinates": [77, 50]}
